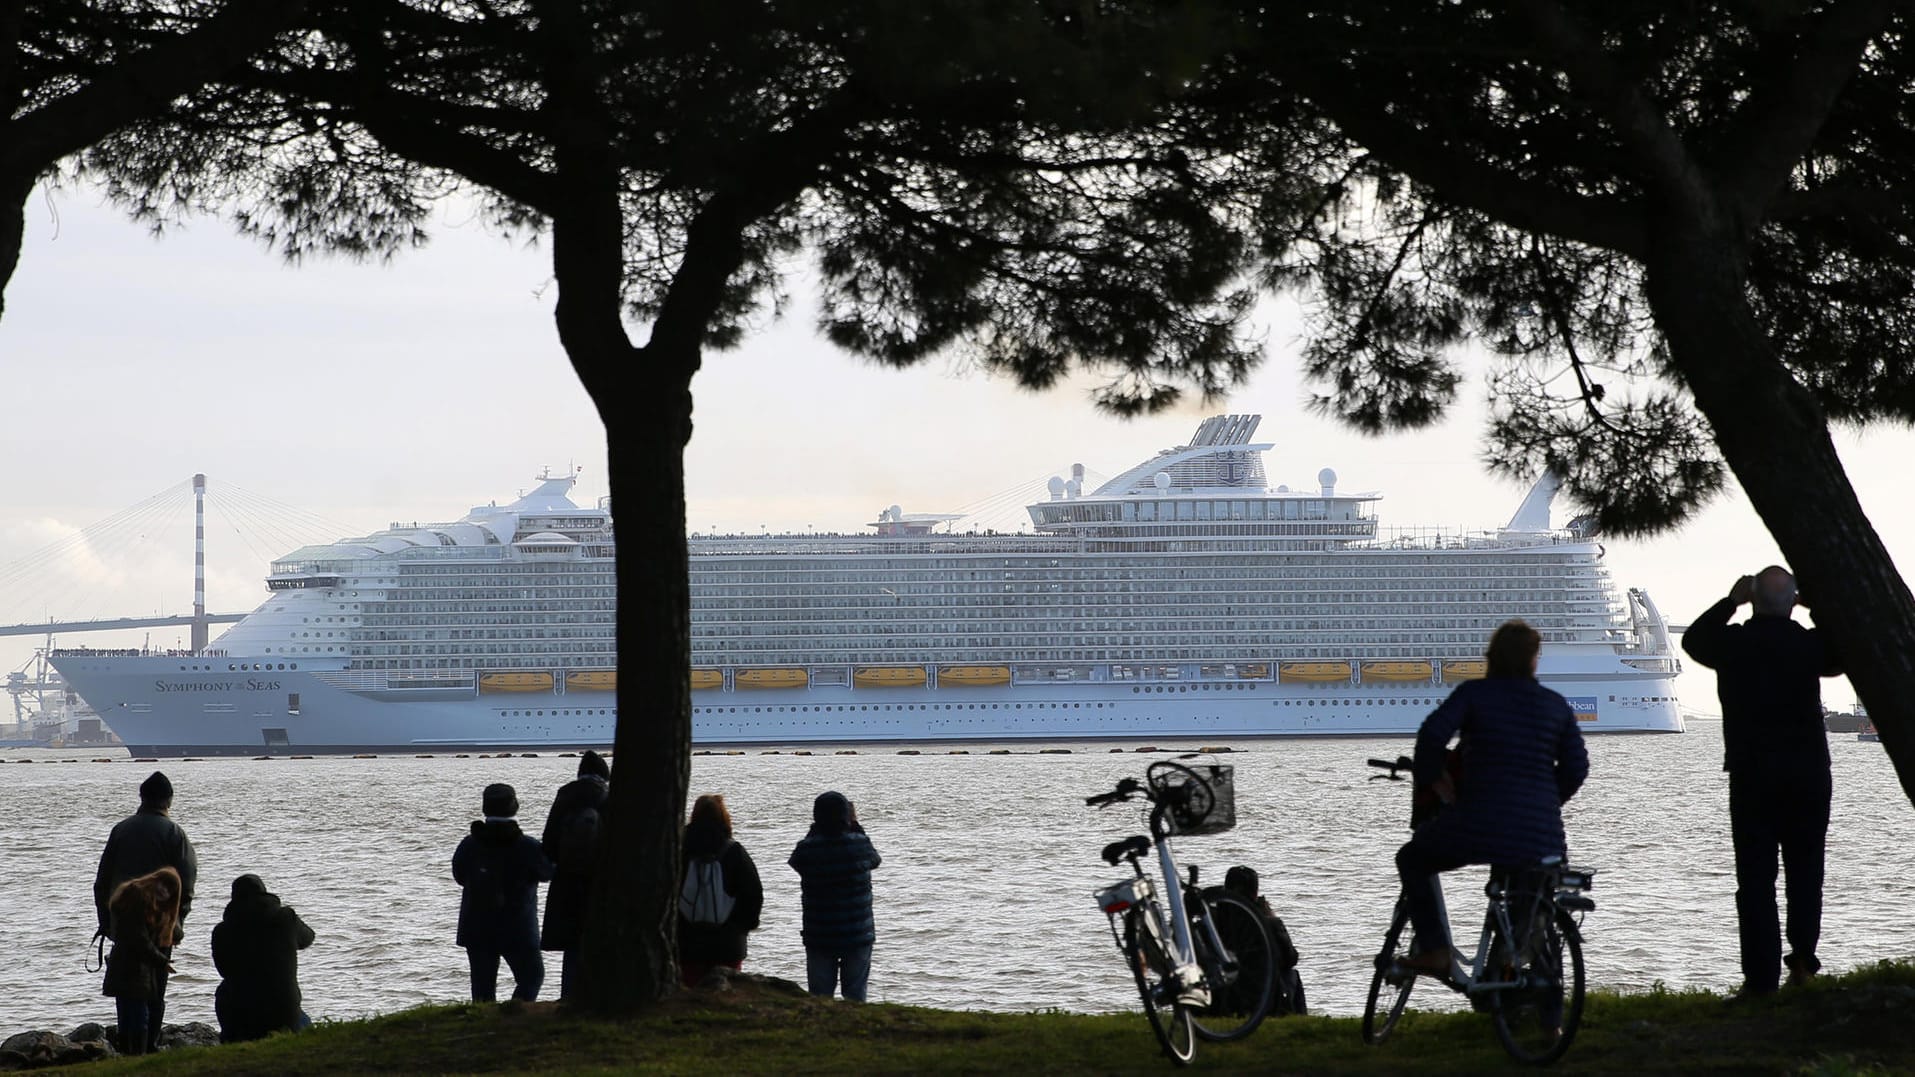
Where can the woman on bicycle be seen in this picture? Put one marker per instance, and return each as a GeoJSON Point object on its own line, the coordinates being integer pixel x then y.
{"type": "Point", "coordinates": [1522, 757]}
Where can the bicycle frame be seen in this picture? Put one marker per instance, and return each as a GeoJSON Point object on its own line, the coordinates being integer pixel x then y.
{"type": "Point", "coordinates": [1115, 900]}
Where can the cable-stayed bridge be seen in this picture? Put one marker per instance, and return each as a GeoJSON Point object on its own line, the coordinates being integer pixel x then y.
{"type": "Point", "coordinates": [158, 551]}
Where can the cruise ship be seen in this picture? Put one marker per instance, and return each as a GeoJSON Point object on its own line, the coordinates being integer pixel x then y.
{"type": "Point", "coordinates": [1186, 598]}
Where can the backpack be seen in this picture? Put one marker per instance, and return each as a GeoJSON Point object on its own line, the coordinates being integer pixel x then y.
{"type": "Point", "coordinates": [703, 899]}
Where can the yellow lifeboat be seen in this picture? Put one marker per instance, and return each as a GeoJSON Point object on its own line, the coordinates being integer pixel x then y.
{"type": "Point", "coordinates": [770, 678]}
{"type": "Point", "coordinates": [978, 676]}
{"type": "Point", "coordinates": [1293, 672]}
{"type": "Point", "coordinates": [1256, 671]}
{"type": "Point", "coordinates": [591, 680]}
{"type": "Point", "coordinates": [888, 676]}
{"type": "Point", "coordinates": [1398, 671]}
{"type": "Point", "coordinates": [515, 682]}
{"type": "Point", "coordinates": [707, 678]}
{"type": "Point", "coordinates": [1464, 671]}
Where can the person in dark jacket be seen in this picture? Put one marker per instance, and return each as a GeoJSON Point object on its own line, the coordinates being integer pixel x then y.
{"type": "Point", "coordinates": [500, 869]}
{"type": "Point", "coordinates": [256, 950]}
{"type": "Point", "coordinates": [705, 946]}
{"type": "Point", "coordinates": [570, 842]}
{"type": "Point", "coordinates": [139, 845]}
{"type": "Point", "coordinates": [143, 916]}
{"type": "Point", "coordinates": [1242, 882]}
{"type": "Point", "coordinates": [1521, 756]}
{"type": "Point", "coordinates": [1776, 750]}
{"type": "Point", "coordinates": [834, 863]}
{"type": "Point", "coordinates": [143, 842]}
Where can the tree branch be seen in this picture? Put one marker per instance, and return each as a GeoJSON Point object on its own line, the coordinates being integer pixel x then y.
{"type": "Point", "coordinates": [1779, 120]}
{"type": "Point", "coordinates": [147, 82]}
{"type": "Point", "coordinates": [1603, 223]}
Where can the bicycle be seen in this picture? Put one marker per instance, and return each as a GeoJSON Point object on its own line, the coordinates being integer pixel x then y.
{"type": "Point", "coordinates": [1528, 968]}
{"type": "Point", "coordinates": [1203, 960]}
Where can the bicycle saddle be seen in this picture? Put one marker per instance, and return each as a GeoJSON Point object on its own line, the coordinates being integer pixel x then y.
{"type": "Point", "coordinates": [1135, 845]}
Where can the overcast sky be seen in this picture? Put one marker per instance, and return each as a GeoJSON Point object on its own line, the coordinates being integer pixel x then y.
{"type": "Point", "coordinates": [366, 394]}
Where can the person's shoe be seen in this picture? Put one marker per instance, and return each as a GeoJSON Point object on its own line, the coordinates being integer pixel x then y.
{"type": "Point", "coordinates": [1801, 970]}
{"type": "Point", "coordinates": [1430, 962]}
{"type": "Point", "coordinates": [1746, 993]}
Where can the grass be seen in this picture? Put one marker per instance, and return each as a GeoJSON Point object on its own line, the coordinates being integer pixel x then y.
{"type": "Point", "coordinates": [1857, 1023]}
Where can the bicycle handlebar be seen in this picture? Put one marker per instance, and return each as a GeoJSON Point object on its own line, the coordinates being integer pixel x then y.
{"type": "Point", "coordinates": [1126, 788]}
{"type": "Point", "coordinates": [1402, 763]}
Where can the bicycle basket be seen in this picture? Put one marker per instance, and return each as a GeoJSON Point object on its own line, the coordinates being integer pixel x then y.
{"type": "Point", "coordinates": [1184, 816]}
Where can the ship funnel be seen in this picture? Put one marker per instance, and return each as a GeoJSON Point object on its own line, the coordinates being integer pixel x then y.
{"type": "Point", "coordinates": [1533, 513]}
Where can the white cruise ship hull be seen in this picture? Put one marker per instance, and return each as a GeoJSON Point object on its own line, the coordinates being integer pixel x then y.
{"type": "Point", "coordinates": [198, 707]}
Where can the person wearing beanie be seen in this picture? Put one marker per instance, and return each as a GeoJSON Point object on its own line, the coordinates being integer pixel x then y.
{"type": "Point", "coordinates": [570, 842]}
{"type": "Point", "coordinates": [834, 863]}
{"type": "Point", "coordinates": [139, 845]}
{"type": "Point", "coordinates": [256, 950]}
{"type": "Point", "coordinates": [498, 869]}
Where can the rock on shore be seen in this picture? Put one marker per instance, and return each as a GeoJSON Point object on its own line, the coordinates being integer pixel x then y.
{"type": "Point", "coordinates": [89, 1042]}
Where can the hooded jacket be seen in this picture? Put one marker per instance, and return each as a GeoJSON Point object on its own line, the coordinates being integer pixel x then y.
{"type": "Point", "coordinates": [143, 928]}
{"type": "Point", "coordinates": [256, 950]}
{"type": "Point", "coordinates": [578, 807]}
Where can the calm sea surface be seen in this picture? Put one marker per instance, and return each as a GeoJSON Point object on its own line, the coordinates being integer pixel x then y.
{"type": "Point", "coordinates": [989, 862]}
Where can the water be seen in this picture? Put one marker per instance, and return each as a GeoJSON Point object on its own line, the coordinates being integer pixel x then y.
{"type": "Point", "coordinates": [990, 860]}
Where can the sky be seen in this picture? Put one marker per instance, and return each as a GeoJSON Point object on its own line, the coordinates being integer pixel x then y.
{"type": "Point", "coordinates": [363, 394]}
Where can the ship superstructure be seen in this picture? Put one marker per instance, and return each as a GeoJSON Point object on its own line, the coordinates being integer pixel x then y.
{"type": "Point", "coordinates": [1185, 597]}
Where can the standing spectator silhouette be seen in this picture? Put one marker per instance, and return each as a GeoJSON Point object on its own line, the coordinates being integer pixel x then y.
{"type": "Point", "coordinates": [570, 842]}
{"type": "Point", "coordinates": [140, 844]}
{"type": "Point", "coordinates": [499, 869]}
{"type": "Point", "coordinates": [834, 863]}
{"type": "Point", "coordinates": [256, 948]}
{"type": "Point", "coordinates": [143, 920]}
{"type": "Point", "coordinates": [1768, 679]}
{"type": "Point", "coordinates": [709, 935]}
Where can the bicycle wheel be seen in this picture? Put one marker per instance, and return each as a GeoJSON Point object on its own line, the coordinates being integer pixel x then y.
{"type": "Point", "coordinates": [1243, 978]}
{"type": "Point", "coordinates": [1537, 1019]}
{"type": "Point", "coordinates": [1169, 1017]}
{"type": "Point", "coordinates": [1390, 986]}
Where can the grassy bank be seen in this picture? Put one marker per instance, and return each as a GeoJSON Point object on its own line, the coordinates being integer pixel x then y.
{"type": "Point", "coordinates": [1859, 1023]}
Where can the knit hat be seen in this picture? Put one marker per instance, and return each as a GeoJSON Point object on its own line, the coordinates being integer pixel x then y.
{"type": "Point", "coordinates": [247, 885]}
{"type": "Point", "coordinates": [156, 789]}
{"type": "Point", "coordinates": [593, 763]}
{"type": "Point", "coordinates": [501, 800]}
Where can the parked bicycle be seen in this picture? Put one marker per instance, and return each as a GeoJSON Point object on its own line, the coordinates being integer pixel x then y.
{"type": "Point", "coordinates": [1202, 958]}
{"type": "Point", "coordinates": [1527, 972]}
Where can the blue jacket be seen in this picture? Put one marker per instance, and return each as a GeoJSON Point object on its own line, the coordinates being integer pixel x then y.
{"type": "Point", "coordinates": [499, 869]}
{"type": "Point", "coordinates": [1522, 758]}
{"type": "Point", "coordinates": [834, 872]}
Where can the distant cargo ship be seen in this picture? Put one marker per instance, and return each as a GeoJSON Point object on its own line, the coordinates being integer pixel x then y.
{"type": "Point", "coordinates": [1184, 598]}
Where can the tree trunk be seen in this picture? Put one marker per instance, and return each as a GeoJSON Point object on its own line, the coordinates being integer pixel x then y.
{"type": "Point", "coordinates": [1776, 440]}
{"type": "Point", "coordinates": [629, 957]}
{"type": "Point", "coordinates": [13, 222]}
